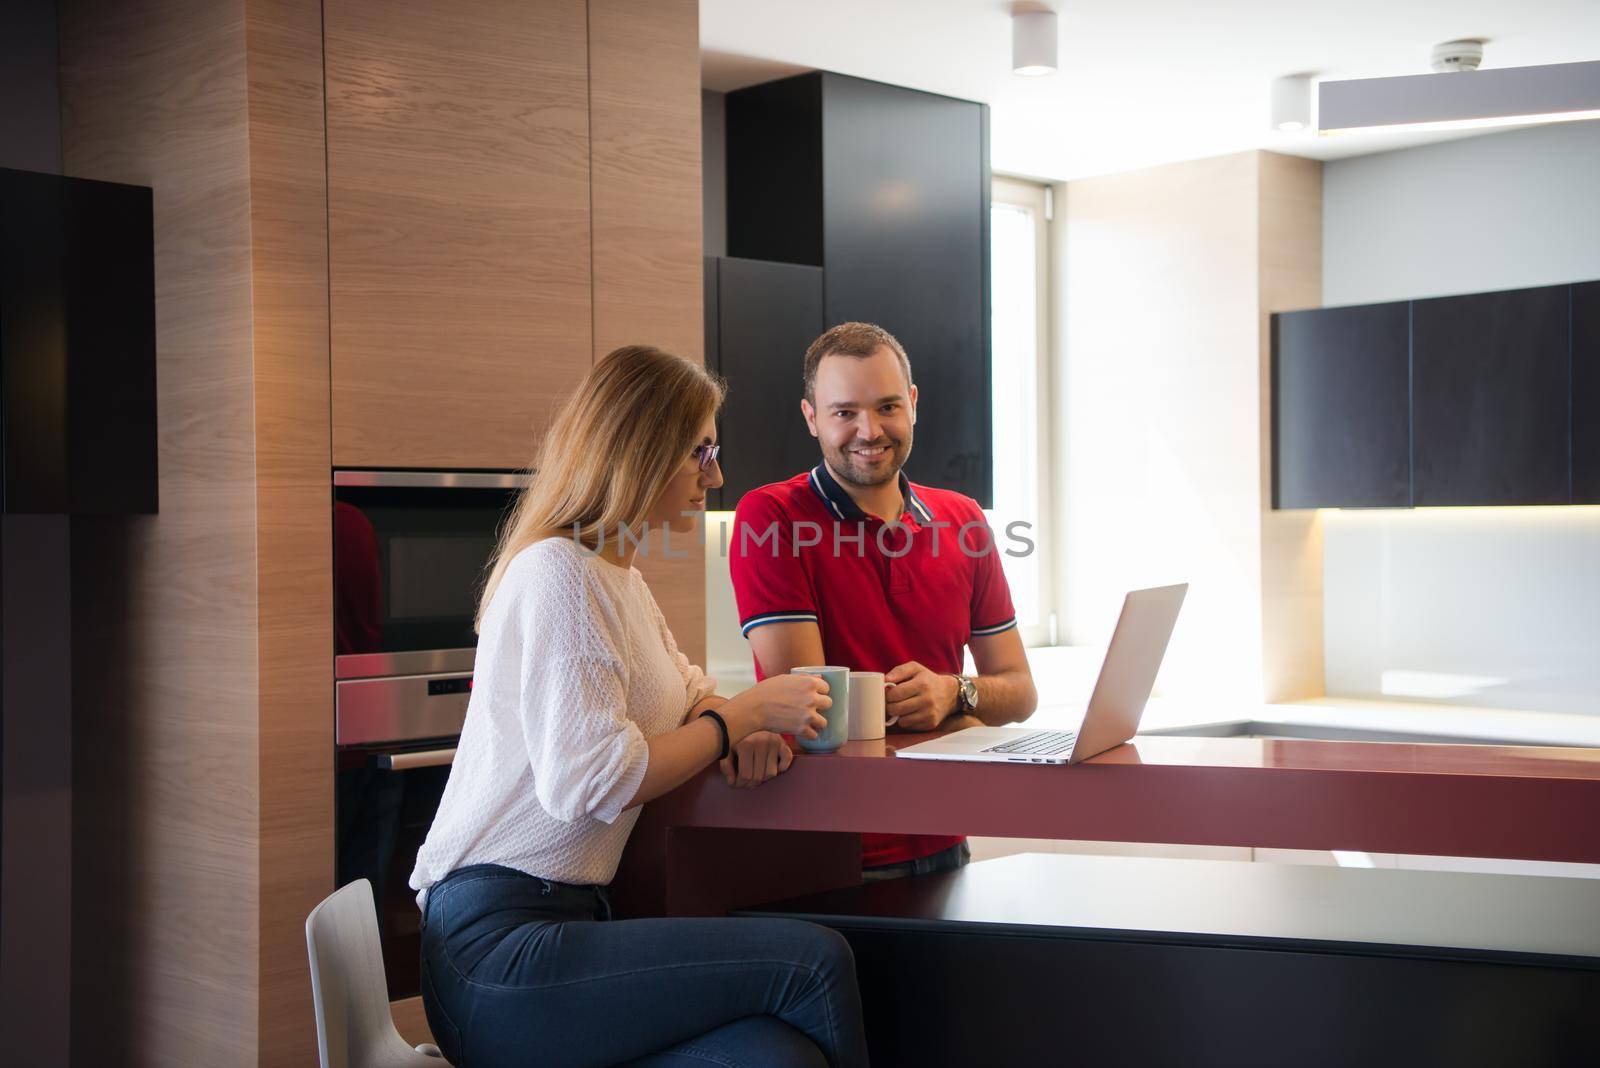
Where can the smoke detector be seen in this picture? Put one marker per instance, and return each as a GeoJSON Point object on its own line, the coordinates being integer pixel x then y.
{"type": "Point", "coordinates": [1457, 55]}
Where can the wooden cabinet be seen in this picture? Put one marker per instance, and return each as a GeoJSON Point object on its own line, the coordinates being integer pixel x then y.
{"type": "Point", "coordinates": [458, 227]}
{"type": "Point", "coordinates": [898, 219]}
{"type": "Point", "coordinates": [456, 244]}
{"type": "Point", "coordinates": [1586, 393]}
{"type": "Point", "coordinates": [644, 130]}
{"type": "Point", "coordinates": [1490, 395]}
{"type": "Point", "coordinates": [1340, 408]}
{"type": "Point", "coordinates": [767, 314]}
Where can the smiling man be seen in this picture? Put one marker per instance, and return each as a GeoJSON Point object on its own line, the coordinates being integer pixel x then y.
{"type": "Point", "coordinates": [853, 564]}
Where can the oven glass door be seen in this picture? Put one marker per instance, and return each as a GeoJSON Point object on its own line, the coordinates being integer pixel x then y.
{"type": "Point", "coordinates": [410, 556]}
{"type": "Point", "coordinates": [386, 799]}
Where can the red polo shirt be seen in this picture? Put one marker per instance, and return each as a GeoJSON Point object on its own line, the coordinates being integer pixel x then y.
{"type": "Point", "coordinates": [881, 594]}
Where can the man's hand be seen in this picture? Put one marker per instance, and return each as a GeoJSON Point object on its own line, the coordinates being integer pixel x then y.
{"type": "Point", "coordinates": [923, 699]}
{"type": "Point", "coordinates": [761, 756]}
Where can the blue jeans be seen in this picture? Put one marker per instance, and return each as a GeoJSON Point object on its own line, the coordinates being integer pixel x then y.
{"type": "Point", "coordinates": [523, 971]}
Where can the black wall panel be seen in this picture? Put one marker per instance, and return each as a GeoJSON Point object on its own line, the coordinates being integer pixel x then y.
{"type": "Point", "coordinates": [77, 338]}
{"type": "Point", "coordinates": [1341, 408]}
{"type": "Point", "coordinates": [906, 195]}
{"type": "Point", "coordinates": [768, 314]}
{"type": "Point", "coordinates": [1586, 393]}
{"type": "Point", "coordinates": [111, 339]}
{"type": "Point", "coordinates": [774, 154]}
{"type": "Point", "coordinates": [887, 189]}
{"type": "Point", "coordinates": [33, 344]}
{"type": "Point", "coordinates": [1490, 396]}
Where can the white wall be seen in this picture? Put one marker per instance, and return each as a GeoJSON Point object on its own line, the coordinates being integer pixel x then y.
{"type": "Point", "coordinates": [1158, 396]}
{"type": "Point", "coordinates": [1494, 607]}
{"type": "Point", "coordinates": [728, 656]}
{"type": "Point", "coordinates": [1493, 212]}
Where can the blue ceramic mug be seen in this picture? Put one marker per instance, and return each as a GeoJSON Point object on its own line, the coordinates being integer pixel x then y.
{"type": "Point", "coordinates": [838, 716]}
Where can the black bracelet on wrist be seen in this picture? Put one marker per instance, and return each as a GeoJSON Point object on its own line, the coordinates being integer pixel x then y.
{"type": "Point", "coordinates": [722, 727]}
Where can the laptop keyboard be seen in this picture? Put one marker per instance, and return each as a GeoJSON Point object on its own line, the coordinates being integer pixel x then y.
{"type": "Point", "coordinates": [1039, 743]}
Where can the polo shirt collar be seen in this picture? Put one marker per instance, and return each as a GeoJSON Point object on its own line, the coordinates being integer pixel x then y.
{"type": "Point", "coordinates": [840, 503]}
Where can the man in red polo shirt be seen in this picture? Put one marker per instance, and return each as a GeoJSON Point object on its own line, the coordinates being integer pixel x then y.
{"type": "Point", "coordinates": [852, 564]}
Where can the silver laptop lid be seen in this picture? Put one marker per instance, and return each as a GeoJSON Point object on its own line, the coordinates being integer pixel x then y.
{"type": "Point", "coordinates": [1129, 672]}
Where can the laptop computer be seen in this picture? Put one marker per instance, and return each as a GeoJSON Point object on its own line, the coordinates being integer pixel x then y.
{"type": "Point", "coordinates": [1126, 678]}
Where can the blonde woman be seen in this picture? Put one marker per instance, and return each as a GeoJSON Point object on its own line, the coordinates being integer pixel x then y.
{"type": "Point", "coordinates": [582, 710]}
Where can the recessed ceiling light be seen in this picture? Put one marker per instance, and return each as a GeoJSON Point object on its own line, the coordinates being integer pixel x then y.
{"type": "Point", "coordinates": [1033, 43]}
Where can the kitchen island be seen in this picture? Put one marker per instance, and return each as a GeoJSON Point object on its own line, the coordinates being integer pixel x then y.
{"type": "Point", "coordinates": [706, 848]}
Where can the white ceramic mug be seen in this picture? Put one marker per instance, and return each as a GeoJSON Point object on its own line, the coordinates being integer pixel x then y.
{"type": "Point", "coordinates": [866, 706]}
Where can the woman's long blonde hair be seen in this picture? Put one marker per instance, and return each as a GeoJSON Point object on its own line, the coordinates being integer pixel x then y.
{"type": "Point", "coordinates": [612, 449]}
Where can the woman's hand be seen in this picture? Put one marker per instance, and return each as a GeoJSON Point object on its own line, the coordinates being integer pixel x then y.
{"type": "Point", "coordinates": [762, 756]}
{"type": "Point", "coordinates": [792, 704]}
{"type": "Point", "coordinates": [785, 704]}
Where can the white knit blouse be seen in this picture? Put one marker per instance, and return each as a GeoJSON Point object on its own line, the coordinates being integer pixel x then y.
{"type": "Point", "coordinates": [575, 669]}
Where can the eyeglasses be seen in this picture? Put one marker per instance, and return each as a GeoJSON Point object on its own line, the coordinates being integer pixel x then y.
{"type": "Point", "coordinates": [706, 454]}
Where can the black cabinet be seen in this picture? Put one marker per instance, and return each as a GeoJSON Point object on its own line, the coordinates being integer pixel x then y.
{"type": "Point", "coordinates": [1500, 395]}
{"type": "Point", "coordinates": [886, 189]}
{"type": "Point", "coordinates": [774, 160]}
{"type": "Point", "coordinates": [1144, 961]}
{"type": "Point", "coordinates": [1490, 397]}
{"type": "Point", "coordinates": [78, 343]}
{"type": "Point", "coordinates": [762, 317]}
{"type": "Point", "coordinates": [906, 227]}
{"type": "Point", "coordinates": [1586, 393]}
{"type": "Point", "coordinates": [1340, 415]}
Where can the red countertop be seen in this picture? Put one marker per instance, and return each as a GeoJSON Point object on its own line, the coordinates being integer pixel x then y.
{"type": "Point", "coordinates": [1455, 800]}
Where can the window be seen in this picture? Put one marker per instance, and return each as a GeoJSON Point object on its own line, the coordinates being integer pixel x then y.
{"type": "Point", "coordinates": [1020, 299]}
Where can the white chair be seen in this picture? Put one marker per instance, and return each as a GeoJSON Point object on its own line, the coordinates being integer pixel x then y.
{"type": "Point", "coordinates": [354, 1028]}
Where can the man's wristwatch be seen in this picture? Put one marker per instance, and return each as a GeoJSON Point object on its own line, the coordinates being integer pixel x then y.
{"type": "Point", "coordinates": [966, 695]}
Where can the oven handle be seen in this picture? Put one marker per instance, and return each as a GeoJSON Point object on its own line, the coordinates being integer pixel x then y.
{"type": "Point", "coordinates": [433, 479]}
{"type": "Point", "coordinates": [428, 758]}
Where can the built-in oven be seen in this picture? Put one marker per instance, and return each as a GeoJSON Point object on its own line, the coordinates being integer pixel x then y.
{"type": "Point", "coordinates": [410, 553]}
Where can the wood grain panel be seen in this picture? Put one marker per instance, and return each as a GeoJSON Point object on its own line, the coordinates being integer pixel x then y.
{"type": "Point", "coordinates": [644, 59]}
{"type": "Point", "coordinates": [644, 123]}
{"type": "Point", "coordinates": [458, 196]}
{"type": "Point", "coordinates": [165, 755]}
{"type": "Point", "coordinates": [294, 566]}
{"type": "Point", "coordinates": [1289, 232]}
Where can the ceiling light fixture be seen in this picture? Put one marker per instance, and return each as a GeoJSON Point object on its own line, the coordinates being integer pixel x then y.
{"type": "Point", "coordinates": [1291, 103]}
{"type": "Point", "coordinates": [1462, 98]}
{"type": "Point", "coordinates": [1033, 43]}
